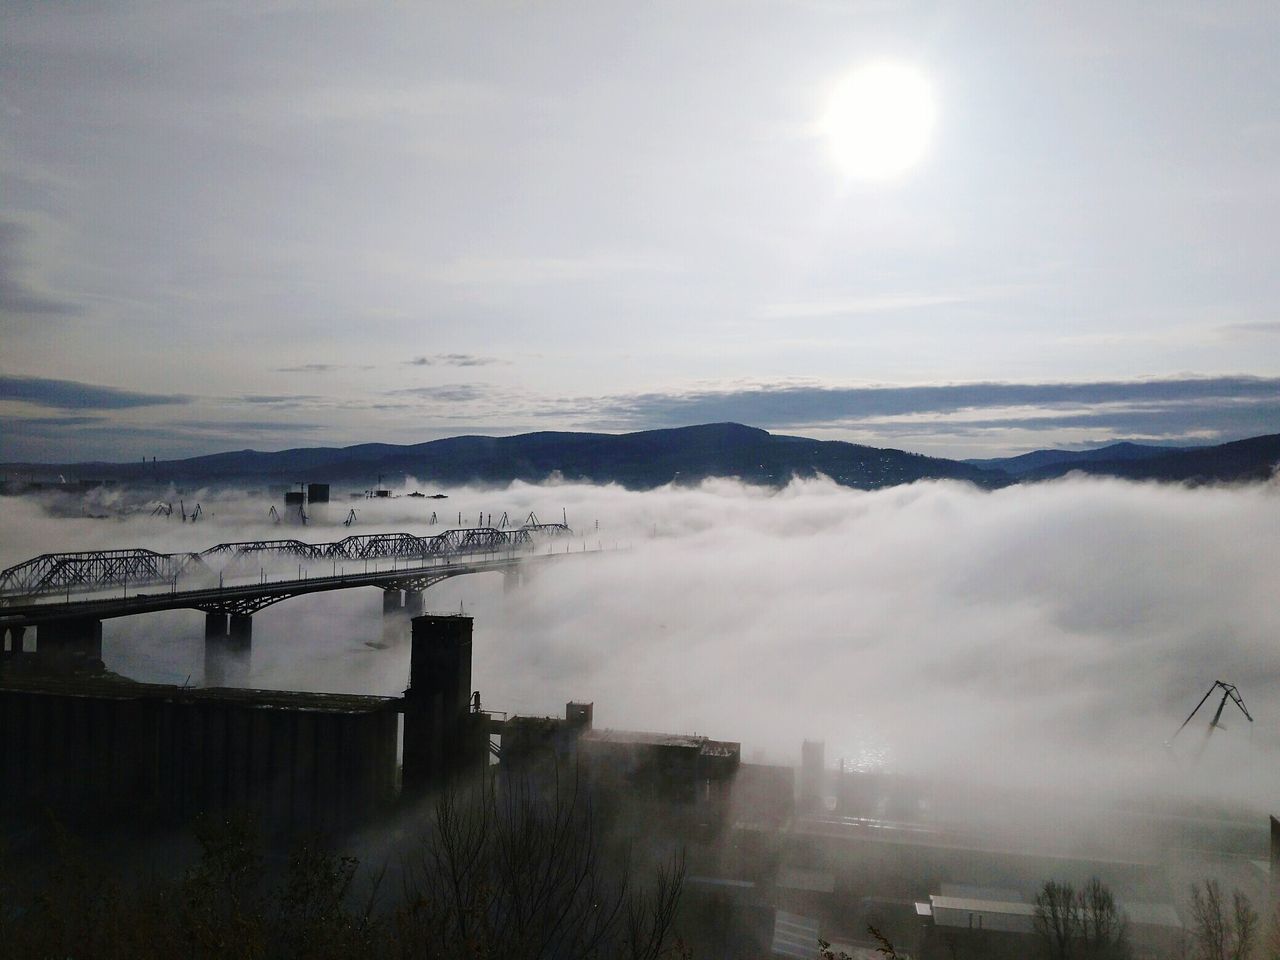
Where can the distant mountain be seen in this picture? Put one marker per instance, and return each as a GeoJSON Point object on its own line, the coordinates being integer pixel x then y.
{"type": "Point", "coordinates": [652, 458]}
{"type": "Point", "coordinates": [635, 460]}
{"type": "Point", "coordinates": [1242, 460]}
{"type": "Point", "coordinates": [1039, 459]}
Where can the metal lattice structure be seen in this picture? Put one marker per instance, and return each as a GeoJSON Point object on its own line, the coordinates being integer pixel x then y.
{"type": "Point", "coordinates": [53, 573]}
{"type": "Point", "coordinates": [93, 569]}
{"type": "Point", "coordinates": [272, 548]}
{"type": "Point", "coordinates": [548, 529]}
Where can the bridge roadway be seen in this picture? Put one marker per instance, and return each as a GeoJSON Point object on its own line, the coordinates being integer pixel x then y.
{"type": "Point", "coordinates": [247, 598]}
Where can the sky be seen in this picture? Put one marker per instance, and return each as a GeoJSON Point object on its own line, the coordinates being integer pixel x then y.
{"type": "Point", "coordinates": [269, 224]}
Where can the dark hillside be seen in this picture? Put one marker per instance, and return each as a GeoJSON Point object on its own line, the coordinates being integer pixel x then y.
{"type": "Point", "coordinates": [641, 460]}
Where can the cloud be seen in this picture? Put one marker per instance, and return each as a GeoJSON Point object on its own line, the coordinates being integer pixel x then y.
{"type": "Point", "coordinates": [310, 368]}
{"type": "Point", "coordinates": [86, 439]}
{"type": "Point", "coordinates": [452, 360]}
{"type": "Point", "coordinates": [248, 426]}
{"type": "Point", "coordinates": [35, 423]}
{"type": "Point", "coordinates": [75, 395]}
{"type": "Point", "coordinates": [1053, 635]}
{"type": "Point", "coordinates": [1248, 404]}
{"type": "Point", "coordinates": [535, 271]}
{"type": "Point", "coordinates": [889, 303]}
{"type": "Point", "coordinates": [453, 393]}
{"type": "Point", "coordinates": [322, 367]}
{"type": "Point", "coordinates": [280, 398]}
{"type": "Point", "coordinates": [1257, 329]}
{"type": "Point", "coordinates": [19, 294]}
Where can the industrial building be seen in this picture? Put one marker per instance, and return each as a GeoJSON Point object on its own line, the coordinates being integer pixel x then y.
{"type": "Point", "coordinates": [76, 737]}
{"type": "Point", "coordinates": [297, 761]}
{"type": "Point", "coordinates": [167, 753]}
{"type": "Point", "coordinates": [672, 770]}
{"type": "Point", "coordinates": [999, 924]}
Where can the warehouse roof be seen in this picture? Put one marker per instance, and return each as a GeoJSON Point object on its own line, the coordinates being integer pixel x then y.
{"type": "Point", "coordinates": [114, 687]}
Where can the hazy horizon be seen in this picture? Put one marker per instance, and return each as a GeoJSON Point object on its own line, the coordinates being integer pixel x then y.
{"type": "Point", "coordinates": [1071, 624]}
{"type": "Point", "coordinates": [1081, 446]}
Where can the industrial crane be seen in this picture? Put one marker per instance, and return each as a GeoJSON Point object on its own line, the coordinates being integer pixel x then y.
{"type": "Point", "coordinates": [1229, 692]}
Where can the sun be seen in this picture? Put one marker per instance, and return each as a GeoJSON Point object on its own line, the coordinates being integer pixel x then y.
{"type": "Point", "coordinates": [879, 120]}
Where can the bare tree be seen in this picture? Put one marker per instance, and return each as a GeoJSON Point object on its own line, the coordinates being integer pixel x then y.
{"type": "Point", "coordinates": [513, 874]}
{"type": "Point", "coordinates": [1272, 949]}
{"type": "Point", "coordinates": [1057, 919]}
{"type": "Point", "coordinates": [1219, 933]}
{"type": "Point", "coordinates": [508, 875]}
{"type": "Point", "coordinates": [1104, 929]}
{"type": "Point", "coordinates": [1085, 923]}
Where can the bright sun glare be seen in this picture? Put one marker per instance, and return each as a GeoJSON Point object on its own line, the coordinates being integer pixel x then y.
{"type": "Point", "coordinates": [879, 120]}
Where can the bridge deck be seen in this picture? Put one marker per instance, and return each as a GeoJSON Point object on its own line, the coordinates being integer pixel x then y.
{"type": "Point", "coordinates": [255, 595]}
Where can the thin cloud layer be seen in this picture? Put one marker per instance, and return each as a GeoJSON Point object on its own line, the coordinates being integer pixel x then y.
{"type": "Point", "coordinates": [782, 404]}
{"type": "Point", "coordinates": [19, 295]}
{"type": "Point", "coordinates": [452, 360]}
{"type": "Point", "coordinates": [75, 395]}
{"type": "Point", "coordinates": [456, 193]}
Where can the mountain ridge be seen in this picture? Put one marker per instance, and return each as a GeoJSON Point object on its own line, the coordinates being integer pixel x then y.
{"type": "Point", "coordinates": [650, 458]}
{"type": "Point", "coordinates": [639, 460]}
{"type": "Point", "coordinates": [1037, 459]}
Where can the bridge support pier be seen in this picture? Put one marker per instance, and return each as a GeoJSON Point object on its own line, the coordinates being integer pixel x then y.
{"type": "Point", "coordinates": [395, 619]}
{"type": "Point", "coordinates": [240, 631]}
{"type": "Point", "coordinates": [71, 644]}
{"type": "Point", "coordinates": [511, 579]}
{"type": "Point", "coordinates": [228, 647]}
{"type": "Point", "coordinates": [413, 605]}
{"type": "Point", "coordinates": [215, 626]}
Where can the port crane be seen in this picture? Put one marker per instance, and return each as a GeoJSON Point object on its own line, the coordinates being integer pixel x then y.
{"type": "Point", "coordinates": [1229, 692]}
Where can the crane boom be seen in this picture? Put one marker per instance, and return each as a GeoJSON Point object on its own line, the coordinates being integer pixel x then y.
{"type": "Point", "coordinates": [1229, 692]}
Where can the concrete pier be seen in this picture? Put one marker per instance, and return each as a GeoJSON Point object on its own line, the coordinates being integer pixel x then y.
{"type": "Point", "coordinates": [397, 610]}
{"type": "Point", "coordinates": [240, 631]}
{"type": "Point", "coordinates": [74, 644]}
{"type": "Point", "coordinates": [228, 649]}
{"type": "Point", "coordinates": [215, 625]}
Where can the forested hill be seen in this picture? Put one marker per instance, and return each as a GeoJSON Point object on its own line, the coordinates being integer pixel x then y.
{"type": "Point", "coordinates": [636, 460]}
{"type": "Point", "coordinates": [1239, 461]}
{"type": "Point", "coordinates": [652, 458]}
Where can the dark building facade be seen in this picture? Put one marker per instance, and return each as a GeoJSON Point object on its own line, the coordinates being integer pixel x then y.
{"type": "Point", "coordinates": [295, 760]}
{"type": "Point", "coordinates": [689, 771]}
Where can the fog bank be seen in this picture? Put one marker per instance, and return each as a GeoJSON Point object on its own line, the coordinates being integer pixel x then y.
{"type": "Point", "coordinates": [1051, 634]}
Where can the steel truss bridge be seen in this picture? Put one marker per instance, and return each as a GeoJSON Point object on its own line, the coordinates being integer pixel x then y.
{"type": "Point", "coordinates": [63, 585]}
{"type": "Point", "coordinates": [248, 598]}
{"type": "Point", "coordinates": [58, 573]}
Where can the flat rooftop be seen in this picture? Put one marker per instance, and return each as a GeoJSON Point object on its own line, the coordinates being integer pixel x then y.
{"type": "Point", "coordinates": [112, 687]}
{"type": "Point", "coordinates": [705, 745]}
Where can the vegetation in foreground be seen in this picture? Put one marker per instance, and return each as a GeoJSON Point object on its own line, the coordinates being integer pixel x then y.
{"type": "Point", "coordinates": [483, 876]}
